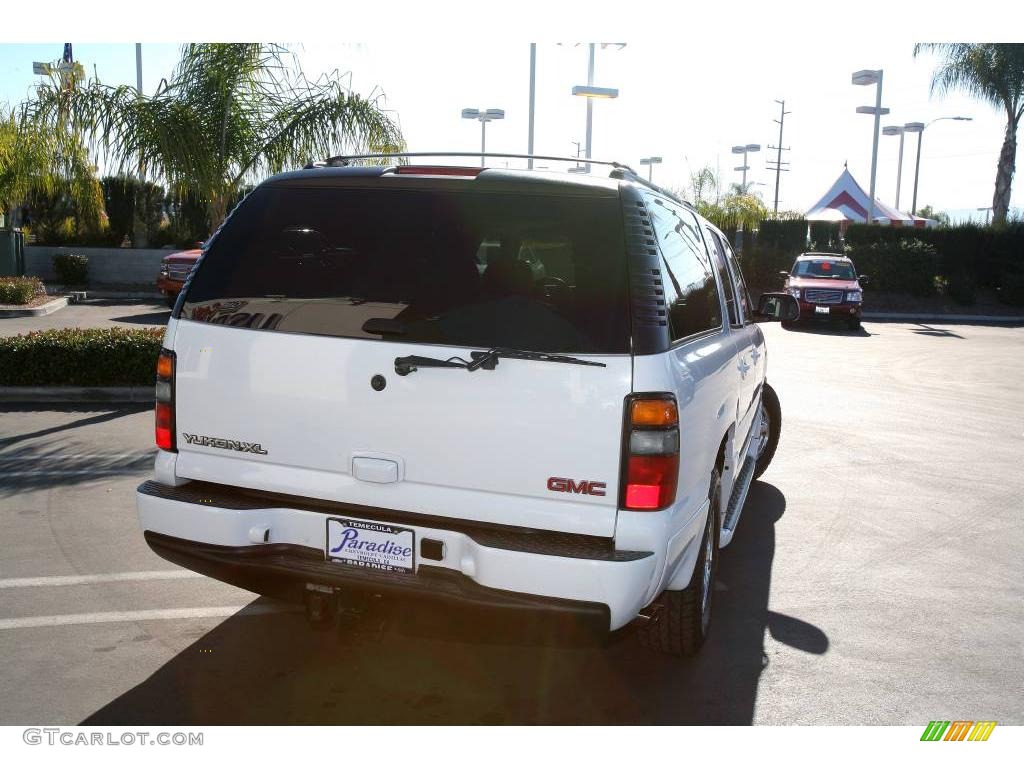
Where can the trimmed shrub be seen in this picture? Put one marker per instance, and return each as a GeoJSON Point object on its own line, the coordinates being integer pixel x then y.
{"type": "Point", "coordinates": [71, 269]}
{"type": "Point", "coordinates": [908, 266]}
{"type": "Point", "coordinates": [20, 290]}
{"type": "Point", "coordinates": [84, 357]}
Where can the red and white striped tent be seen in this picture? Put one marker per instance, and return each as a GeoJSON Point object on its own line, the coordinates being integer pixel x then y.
{"type": "Point", "coordinates": [846, 201]}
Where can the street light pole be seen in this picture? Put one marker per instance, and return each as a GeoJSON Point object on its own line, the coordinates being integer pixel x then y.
{"type": "Point", "coordinates": [872, 77]}
{"type": "Point", "coordinates": [592, 92]}
{"type": "Point", "coordinates": [874, 144]}
{"type": "Point", "coordinates": [650, 162]}
{"type": "Point", "coordinates": [918, 128]}
{"type": "Point", "coordinates": [897, 130]}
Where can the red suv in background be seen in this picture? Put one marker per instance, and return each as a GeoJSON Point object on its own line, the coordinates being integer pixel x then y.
{"type": "Point", "coordinates": [827, 287]}
{"type": "Point", "coordinates": [174, 268]}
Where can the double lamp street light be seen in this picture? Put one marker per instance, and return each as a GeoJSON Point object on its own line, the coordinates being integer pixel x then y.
{"type": "Point", "coordinates": [484, 116]}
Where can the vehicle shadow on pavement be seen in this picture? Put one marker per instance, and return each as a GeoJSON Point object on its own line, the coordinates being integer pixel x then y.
{"type": "Point", "coordinates": [448, 667]}
{"type": "Point", "coordinates": [52, 459]}
{"type": "Point", "coordinates": [830, 330]}
{"type": "Point", "coordinates": [145, 318]}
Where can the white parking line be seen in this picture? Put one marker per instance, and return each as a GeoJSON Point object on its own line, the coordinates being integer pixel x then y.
{"type": "Point", "coordinates": [114, 617]}
{"type": "Point", "coordinates": [96, 578]}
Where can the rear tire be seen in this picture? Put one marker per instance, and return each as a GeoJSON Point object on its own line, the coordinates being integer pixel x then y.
{"type": "Point", "coordinates": [789, 325]}
{"type": "Point", "coordinates": [681, 625]}
{"type": "Point", "coordinates": [769, 429]}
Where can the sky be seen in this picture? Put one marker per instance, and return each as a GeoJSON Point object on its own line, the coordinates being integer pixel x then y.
{"type": "Point", "coordinates": [688, 102]}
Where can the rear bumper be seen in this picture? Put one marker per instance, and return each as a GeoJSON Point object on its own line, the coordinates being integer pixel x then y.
{"type": "Point", "coordinates": [287, 572]}
{"type": "Point", "coordinates": [279, 550]}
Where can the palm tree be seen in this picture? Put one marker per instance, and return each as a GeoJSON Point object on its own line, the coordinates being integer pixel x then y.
{"type": "Point", "coordinates": [992, 72]}
{"type": "Point", "coordinates": [230, 115]}
{"type": "Point", "coordinates": [34, 159]}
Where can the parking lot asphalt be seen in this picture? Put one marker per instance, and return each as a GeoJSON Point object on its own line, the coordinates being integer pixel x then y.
{"type": "Point", "coordinates": [92, 313]}
{"type": "Point", "coordinates": [875, 578]}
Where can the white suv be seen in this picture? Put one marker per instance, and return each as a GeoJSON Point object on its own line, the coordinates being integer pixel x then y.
{"type": "Point", "coordinates": [529, 390]}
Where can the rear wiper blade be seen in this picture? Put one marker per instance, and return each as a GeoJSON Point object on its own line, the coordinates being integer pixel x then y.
{"type": "Point", "coordinates": [406, 365]}
{"type": "Point", "coordinates": [487, 360]}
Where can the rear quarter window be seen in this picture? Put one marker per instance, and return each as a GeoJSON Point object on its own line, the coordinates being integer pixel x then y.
{"type": "Point", "coordinates": [539, 272]}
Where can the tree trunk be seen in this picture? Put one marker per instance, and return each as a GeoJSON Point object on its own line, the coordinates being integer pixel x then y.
{"type": "Point", "coordinates": [217, 210]}
{"type": "Point", "coordinates": [1004, 174]}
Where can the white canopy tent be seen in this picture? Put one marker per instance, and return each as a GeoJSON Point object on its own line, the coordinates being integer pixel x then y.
{"type": "Point", "coordinates": [847, 201]}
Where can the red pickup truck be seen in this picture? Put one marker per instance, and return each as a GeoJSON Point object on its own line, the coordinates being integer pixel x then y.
{"type": "Point", "coordinates": [174, 268]}
{"type": "Point", "coordinates": [827, 287]}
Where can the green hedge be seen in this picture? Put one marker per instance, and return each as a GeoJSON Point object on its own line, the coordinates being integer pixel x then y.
{"type": "Point", "coordinates": [84, 357]}
{"type": "Point", "coordinates": [761, 266]}
{"type": "Point", "coordinates": [20, 290]}
{"type": "Point", "coordinates": [788, 235]}
{"type": "Point", "coordinates": [970, 256]}
{"type": "Point", "coordinates": [901, 266]}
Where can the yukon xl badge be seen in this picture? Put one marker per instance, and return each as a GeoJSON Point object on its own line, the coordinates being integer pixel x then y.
{"type": "Point", "coordinates": [219, 442]}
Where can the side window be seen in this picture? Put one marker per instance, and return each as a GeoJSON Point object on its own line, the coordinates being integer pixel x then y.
{"type": "Point", "coordinates": [724, 277]}
{"type": "Point", "coordinates": [691, 292]}
{"type": "Point", "coordinates": [741, 284]}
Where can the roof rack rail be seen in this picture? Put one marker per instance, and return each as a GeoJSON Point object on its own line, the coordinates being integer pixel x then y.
{"type": "Point", "coordinates": [343, 160]}
{"type": "Point", "coordinates": [627, 173]}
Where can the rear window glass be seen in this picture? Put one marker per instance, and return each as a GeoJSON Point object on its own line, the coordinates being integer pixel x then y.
{"type": "Point", "coordinates": [841, 270]}
{"type": "Point", "coordinates": [544, 273]}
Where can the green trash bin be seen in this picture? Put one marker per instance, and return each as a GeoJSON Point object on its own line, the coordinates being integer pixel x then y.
{"type": "Point", "coordinates": [12, 252]}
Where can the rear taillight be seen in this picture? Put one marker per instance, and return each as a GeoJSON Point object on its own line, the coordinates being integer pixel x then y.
{"type": "Point", "coordinates": [651, 465]}
{"type": "Point", "coordinates": [165, 401]}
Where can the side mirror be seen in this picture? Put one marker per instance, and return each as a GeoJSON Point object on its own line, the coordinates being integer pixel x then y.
{"type": "Point", "coordinates": [784, 274]}
{"type": "Point", "coordinates": [774, 307]}
{"type": "Point", "coordinates": [863, 279]}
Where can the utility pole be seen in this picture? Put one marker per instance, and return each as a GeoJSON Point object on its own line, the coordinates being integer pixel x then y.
{"type": "Point", "coordinates": [779, 150]}
{"type": "Point", "coordinates": [533, 99]}
{"type": "Point", "coordinates": [140, 195]}
{"type": "Point", "coordinates": [590, 103]}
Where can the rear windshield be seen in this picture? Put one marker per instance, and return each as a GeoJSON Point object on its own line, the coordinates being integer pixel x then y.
{"type": "Point", "coordinates": [544, 273]}
{"type": "Point", "coordinates": [841, 270]}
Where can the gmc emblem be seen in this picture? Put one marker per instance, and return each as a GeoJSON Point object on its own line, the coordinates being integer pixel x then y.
{"type": "Point", "coordinates": [565, 485]}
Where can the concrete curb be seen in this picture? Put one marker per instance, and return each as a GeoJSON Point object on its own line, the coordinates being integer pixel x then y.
{"type": "Point", "coordinates": [76, 394]}
{"type": "Point", "coordinates": [910, 317]}
{"type": "Point", "coordinates": [82, 294]}
{"type": "Point", "coordinates": [46, 309]}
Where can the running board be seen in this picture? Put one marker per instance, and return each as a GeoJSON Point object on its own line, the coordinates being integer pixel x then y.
{"type": "Point", "coordinates": [736, 500]}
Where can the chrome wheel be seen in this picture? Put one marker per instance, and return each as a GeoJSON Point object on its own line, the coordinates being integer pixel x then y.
{"type": "Point", "coordinates": [764, 429]}
{"type": "Point", "coordinates": [709, 555]}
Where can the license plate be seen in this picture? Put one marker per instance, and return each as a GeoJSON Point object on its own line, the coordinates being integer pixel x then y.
{"type": "Point", "coordinates": [366, 544]}
{"type": "Point", "coordinates": [821, 310]}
